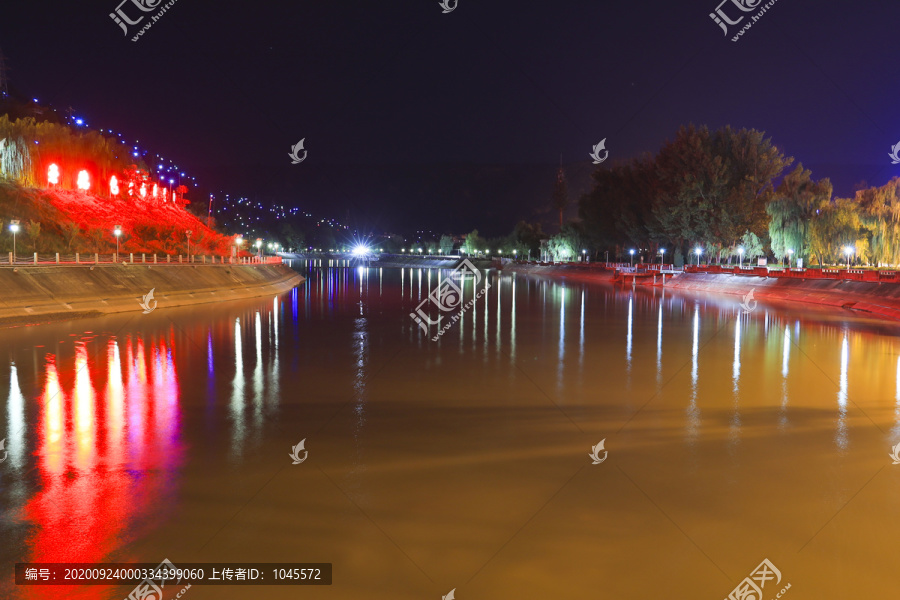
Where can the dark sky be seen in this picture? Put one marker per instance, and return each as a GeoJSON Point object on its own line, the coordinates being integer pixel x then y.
{"type": "Point", "coordinates": [225, 88]}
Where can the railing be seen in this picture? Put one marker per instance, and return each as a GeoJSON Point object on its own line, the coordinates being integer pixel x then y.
{"type": "Point", "coordinates": [865, 275]}
{"type": "Point", "coordinates": [95, 258]}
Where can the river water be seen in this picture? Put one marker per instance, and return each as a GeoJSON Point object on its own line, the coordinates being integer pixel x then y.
{"type": "Point", "coordinates": [729, 438]}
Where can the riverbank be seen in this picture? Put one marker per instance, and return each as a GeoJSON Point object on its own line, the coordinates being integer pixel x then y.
{"type": "Point", "coordinates": [48, 293]}
{"type": "Point", "coordinates": [881, 299]}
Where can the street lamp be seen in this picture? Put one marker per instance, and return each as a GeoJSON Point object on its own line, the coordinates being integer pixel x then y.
{"type": "Point", "coordinates": [607, 255]}
{"type": "Point", "coordinates": [741, 253]}
{"type": "Point", "coordinates": [662, 256]}
{"type": "Point", "coordinates": [14, 227]}
{"type": "Point", "coordinates": [848, 250]}
{"type": "Point", "coordinates": [631, 252]}
{"type": "Point", "coordinates": [188, 234]}
{"type": "Point", "coordinates": [117, 231]}
{"type": "Point", "coordinates": [583, 253]}
{"type": "Point", "coordinates": [790, 256]}
{"type": "Point", "coordinates": [699, 251]}
{"type": "Point", "coordinates": [259, 247]}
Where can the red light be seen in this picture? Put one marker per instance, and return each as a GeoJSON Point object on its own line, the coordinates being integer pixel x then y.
{"type": "Point", "coordinates": [114, 186]}
{"type": "Point", "coordinates": [84, 180]}
{"type": "Point", "coordinates": [53, 174]}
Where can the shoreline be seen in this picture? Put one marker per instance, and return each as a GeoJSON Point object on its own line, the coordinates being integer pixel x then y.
{"type": "Point", "coordinates": [871, 298]}
{"type": "Point", "coordinates": [41, 294]}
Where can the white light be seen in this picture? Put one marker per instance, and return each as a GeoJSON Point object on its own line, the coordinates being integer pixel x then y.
{"type": "Point", "coordinates": [360, 250]}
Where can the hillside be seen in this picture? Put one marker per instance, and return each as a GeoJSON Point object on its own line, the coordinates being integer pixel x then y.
{"type": "Point", "coordinates": [69, 221]}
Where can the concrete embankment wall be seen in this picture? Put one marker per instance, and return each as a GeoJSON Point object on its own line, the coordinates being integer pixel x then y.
{"type": "Point", "coordinates": [573, 272]}
{"type": "Point", "coordinates": [44, 293]}
{"type": "Point", "coordinates": [882, 299]}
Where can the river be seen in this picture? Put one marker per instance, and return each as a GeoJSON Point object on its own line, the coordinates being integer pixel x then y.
{"type": "Point", "coordinates": [729, 436]}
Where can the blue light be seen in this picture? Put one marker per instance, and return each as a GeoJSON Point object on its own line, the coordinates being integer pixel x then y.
{"type": "Point", "coordinates": [79, 122]}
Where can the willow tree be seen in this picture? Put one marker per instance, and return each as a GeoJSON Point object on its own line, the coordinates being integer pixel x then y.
{"type": "Point", "coordinates": [879, 210]}
{"type": "Point", "coordinates": [796, 203]}
{"type": "Point", "coordinates": [836, 226]}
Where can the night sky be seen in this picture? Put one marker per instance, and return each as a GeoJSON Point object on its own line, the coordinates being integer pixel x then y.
{"type": "Point", "coordinates": [399, 103]}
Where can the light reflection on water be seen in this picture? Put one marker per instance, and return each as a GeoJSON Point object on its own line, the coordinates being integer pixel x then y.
{"type": "Point", "coordinates": [100, 419]}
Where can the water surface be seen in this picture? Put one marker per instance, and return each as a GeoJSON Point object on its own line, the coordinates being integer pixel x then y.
{"type": "Point", "coordinates": [460, 463]}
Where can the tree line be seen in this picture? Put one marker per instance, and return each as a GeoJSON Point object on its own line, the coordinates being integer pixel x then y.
{"type": "Point", "coordinates": [716, 190]}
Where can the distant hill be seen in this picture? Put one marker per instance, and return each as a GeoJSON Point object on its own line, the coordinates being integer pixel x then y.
{"type": "Point", "coordinates": [453, 198]}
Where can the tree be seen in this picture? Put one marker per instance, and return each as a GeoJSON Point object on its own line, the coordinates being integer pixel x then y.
{"type": "Point", "coordinates": [70, 231]}
{"type": "Point", "coordinates": [714, 187]}
{"type": "Point", "coordinates": [797, 202]}
{"type": "Point", "coordinates": [446, 244]}
{"type": "Point", "coordinates": [474, 243]}
{"type": "Point", "coordinates": [880, 216]}
{"type": "Point", "coordinates": [33, 231]}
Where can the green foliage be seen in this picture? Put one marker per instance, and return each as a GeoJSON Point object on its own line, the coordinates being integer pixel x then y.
{"type": "Point", "coordinates": [446, 244]}
{"type": "Point", "coordinates": [474, 243]}
{"type": "Point", "coordinates": [797, 202]}
{"type": "Point", "coordinates": [33, 231]}
{"type": "Point", "coordinates": [703, 187]}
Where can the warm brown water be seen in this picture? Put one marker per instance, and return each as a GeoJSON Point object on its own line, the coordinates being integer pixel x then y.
{"type": "Point", "coordinates": [461, 463]}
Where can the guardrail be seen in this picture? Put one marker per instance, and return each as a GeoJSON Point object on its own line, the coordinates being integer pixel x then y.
{"type": "Point", "coordinates": [96, 258]}
{"type": "Point", "coordinates": [865, 275]}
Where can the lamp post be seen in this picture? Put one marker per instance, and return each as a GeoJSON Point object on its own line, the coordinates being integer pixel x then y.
{"type": "Point", "coordinates": [117, 231]}
{"type": "Point", "coordinates": [848, 250]}
{"type": "Point", "coordinates": [583, 255]}
{"type": "Point", "coordinates": [790, 257]}
{"type": "Point", "coordinates": [14, 227]}
{"type": "Point", "coordinates": [188, 233]}
{"type": "Point", "coordinates": [699, 251]}
{"type": "Point", "coordinates": [741, 254]}
{"type": "Point", "coordinates": [631, 252]}
{"type": "Point", "coordinates": [662, 257]}
{"type": "Point", "coordinates": [258, 247]}
{"type": "Point", "coordinates": [607, 256]}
